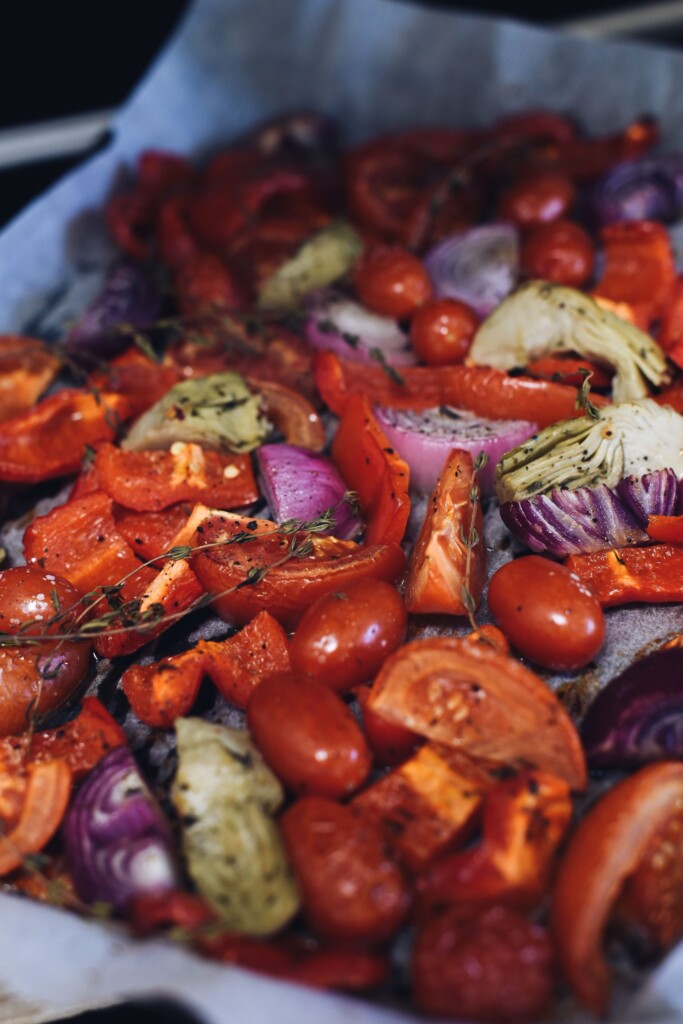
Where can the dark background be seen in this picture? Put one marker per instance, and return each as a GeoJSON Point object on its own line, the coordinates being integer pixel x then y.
{"type": "Point", "coordinates": [67, 58]}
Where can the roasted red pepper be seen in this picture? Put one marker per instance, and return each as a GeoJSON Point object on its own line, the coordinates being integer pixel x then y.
{"type": "Point", "coordinates": [50, 440]}
{"type": "Point", "coordinates": [481, 389]}
{"type": "Point", "coordinates": [136, 377]}
{"type": "Point", "coordinates": [666, 528]}
{"type": "Point", "coordinates": [671, 331]}
{"type": "Point", "coordinates": [27, 367]}
{"type": "Point", "coordinates": [81, 742]}
{"type": "Point", "coordinates": [621, 576]}
{"type": "Point", "coordinates": [371, 468]}
{"type": "Point", "coordinates": [150, 481]}
{"type": "Point", "coordinates": [161, 692]}
{"type": "Point", "coordinates": [639, 267]}
{"type": "Point", "coordinates": [151, 534]}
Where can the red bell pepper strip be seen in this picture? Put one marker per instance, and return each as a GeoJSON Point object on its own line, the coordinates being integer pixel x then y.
{"type": "Point", "coordinates": [80, 542]}
{"type": "Point", "coordinates": [673, 396]}
{"type": "Point", "coordinates": [568, 370]}
{"type": "Point", "coordinates": [447, 567]}
{"type": "Point", "coordinates": [82, 742]}
{"type": "Point", "coordinates": [639, 266]}
{"type": "Point", "coordinates": [620, 576]}
{"type": "Point", "coordinates": [666, 528]}
{"type": "Point", "coordinates": [671, 331]}
{"type": "Point", "coordinates": [151, 534]}
{"type": "Point", "coordinates": [525, 819]}
{"type": "Point", "coordinates": [204, 283]}
{"type": "Point", "coordinates": [373, 469]}
{"type": "Point", "coordinates": [161, 692]}
{"type": "Point", "coordinates": [587, 159]}
{"type": "Point", "coordinates": [427, 805]}
{"type": "Point", "coordinates": [139, 379]}
{"type": "Point", "coordinates": [27, 367]}
{"type": "Point", "coordinates": [480, 389]}
{"type": "Point", "coordinates": [149, 481]}
{"type": "Point", "coordinates": [49, 441]}
{"type": "Point", "coordinates": [47, 796]}
{"type": "Point", "coordinates": [246, 578]}
{"type": "Point", "coordinates": [171, 593]}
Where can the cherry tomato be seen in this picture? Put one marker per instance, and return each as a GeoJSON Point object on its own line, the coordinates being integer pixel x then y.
{"type": "Point", "coordinates": [308, 736]}
{"type": "Point", "coordinates": [483, 964]}
{"type": "Point", "coordinates": [547, 613]}
{"type": "Point", "coordinates": [344, 637]}
{"type": "Point", "coordinates": [350, 887]}
{"type": "Point", "coordinates": [441, 331]}
{"type": "Point", "coordinates": [37, 679]}
{"type": "Point", "coordinates": [560, 251]}
{"type": "Point", "coordinates": [392, 282]}
{"type": "Point", "coordinates": [537, 199]}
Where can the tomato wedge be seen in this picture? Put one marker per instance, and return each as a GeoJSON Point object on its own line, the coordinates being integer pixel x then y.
{"type": "Point", "coordinates": [471, 697]}
{"type": "Point", "coordinates": [605, 850]}
{"type": "Point", "coordinates": [446, 571]}
{"type": "Point", "coordinates": [286, 590]}
{"type": "Point", "coordinates": [480, 389]}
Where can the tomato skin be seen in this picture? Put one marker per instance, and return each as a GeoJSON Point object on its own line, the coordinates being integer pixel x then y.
{"type": "Point", "coordinates": [344, 637]}
{"type": "Point", "coordinates": [308, 736]}
{"type": "Point", "coordinates": [651, 898]}
{"type": "Point", "coordinates": [441, 331]}
{"type": "Point", "coordinates": [560, 251]}
{"type": "Point", "coordinates": [351, 889]}
{"type": "Point", "coordinates": [537, 199]}
{"type": "Point", "coordinates": [27, 592]}
{"type": "Point", "coordinates": [483, 964]}
{"type": "Point", "coordinates": [391, 281]}
{"type": "Point", "coordinates": [390, 744]}
{"type": "Point", "coordinates": [547, 613]}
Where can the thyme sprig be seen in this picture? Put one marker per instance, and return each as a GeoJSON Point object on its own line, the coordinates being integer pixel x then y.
{"type": "Point", "coordinates": [583, 402]}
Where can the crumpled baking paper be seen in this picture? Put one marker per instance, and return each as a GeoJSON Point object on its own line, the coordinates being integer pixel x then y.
{"type": "Point", "coordinates": [378, 65]}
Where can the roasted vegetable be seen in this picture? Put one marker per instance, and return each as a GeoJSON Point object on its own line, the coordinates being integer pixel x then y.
{"type": "Point", "coordinates": [541, 318]}
{"type": "Point", "coordinates": [226, 796]}
{"type": "Point", "coordinates": [218, 411]}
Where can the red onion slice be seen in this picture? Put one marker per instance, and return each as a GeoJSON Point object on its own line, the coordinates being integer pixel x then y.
{"type": "Point", "coordinates": [424, 440]}
{"type": "Point", "coordinates": [650, 189]}
{"type": "Point", "coordinates": [117, 842]}
{"type": "Point", "coordinates": [298, 484]}
{"type": "Point", "coordinates": [354, 333]}
{"type": "Point", "coordinates": [479, 266]}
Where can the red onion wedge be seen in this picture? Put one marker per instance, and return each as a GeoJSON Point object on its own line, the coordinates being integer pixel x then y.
{"type": "Point", "coordinates": [638, 716]}
{"type": "Point", "coordinates": [650, 189]}
{"type": "Point", "coordinates": [357, 335]}
{"type": "Point", "coordinates": [116, 839]}
{"type": "Point", "coordinates": [298, 484]}
{"type": "Point", "coordinates": [479, 266]}
{"type": "Point", "coordinates": [424, 440]}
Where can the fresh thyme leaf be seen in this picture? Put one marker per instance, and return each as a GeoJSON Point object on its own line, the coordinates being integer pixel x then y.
{"type": "Point", "coordinates": [583, 401]}
{"type": "Point", "coordinates": [145, 346]}
{"type": "Point", "coordinates": [467, 599]}
{"type": "Point", "coordinates": [178, 552]}
{"type": "Point", "coordinates": [480, 461]}
{"type": "Point", "coordinates": [392, 373]}
{"type": "Point", "coordinates": [56, 600]}
{"type": "Point", "coordinates": [351, 339]}
{"type": "Point", "coordinates": [88, 456]}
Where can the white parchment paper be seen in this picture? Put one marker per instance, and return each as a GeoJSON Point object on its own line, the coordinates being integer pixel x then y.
{"type": "Point", "coordinates": [378, 65]}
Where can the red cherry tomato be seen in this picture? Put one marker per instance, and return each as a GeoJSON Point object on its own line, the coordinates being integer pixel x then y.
{"type": "Point", "coordinates": [537, 199]}
{"type": "Point", "coordinates": [561, 251]}
{"type": "Point", "coordinates": [351, 889]}
{"type": "Point", "coordinates": [308, 736]}
{"type": "Point", "coordinates": [390, 743]}
{"type": "Point", "coordinates": [441, 331]}
{"type": "Point", "coordinates": [483, 964]}
{"type": "Point", "coordinates": [38, 679]}
{"type": "Point", "coordinates": [547, 613]}
{"type": "Point", "coordinates": [344, 637]}
{"type": "Point", "coordinates": [392, 282]}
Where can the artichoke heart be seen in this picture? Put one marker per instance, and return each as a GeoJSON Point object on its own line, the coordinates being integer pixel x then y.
{"type": "Point", "coordinates": [226, 797]}
{"type": "Point", "coordinates": [540, 318]}
{"type": "Point", "coordinates": [321, 260]}
{"type": "Point", "coordinates": [218, 411]}
{"type": "Point", "coordinates": [630, 439]}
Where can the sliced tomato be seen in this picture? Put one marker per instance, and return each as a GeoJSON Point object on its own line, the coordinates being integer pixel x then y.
{"type": "Point", "coordinates": [471, 697]}
{"type": "Point", "coordinates": [480, 389]}
{"type": "Point", "coordinates": [47, 796]}
{"type": "Point", "coordinates": [291, 413]}
{"type": "Point", "coordinates": [374, 470]}
{"type": "Point", "coordinates": [286, 590]}
{"type": "Point", "coordinates": [446, 571]}
{"type": "Point", "coordinates": [607, 848]}
{"type": "Point", "coordinates": [27, 367]}
{"type": "Point", "coordinates": [50, 440]}
{"type": "Point", "coordinates": [149, 481]}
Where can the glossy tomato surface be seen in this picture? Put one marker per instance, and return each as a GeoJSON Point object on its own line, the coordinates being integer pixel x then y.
{"type": "Point", "coordinates": [28, 594]}
{"type": "Point", "coordinates": [344, 637]}
{"type": "Point", "coordinates": [308, 736]}
{"type": "Point", "coordinates": [392, 282]}
{"type": "Point", "coordinates": [537, 199]}
{"type": "Point", "coordinates": [441, 331]}
{"type": "Point", "coordinates": [548, 614]}
{"type": "Point", "coordinates": [561, 251]}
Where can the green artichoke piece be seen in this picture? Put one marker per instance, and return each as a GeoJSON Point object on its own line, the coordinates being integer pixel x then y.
{"type": "Point", "coordinates": [540, 318]}
{"type": "Point", "coordinates": [218, 412]}
{"type": "Point", "coordinates": [321, 260]}
{"type": "Point", "coordinates": [630, 439]}
{"type": "Point", "coordinates": [226, 797]}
